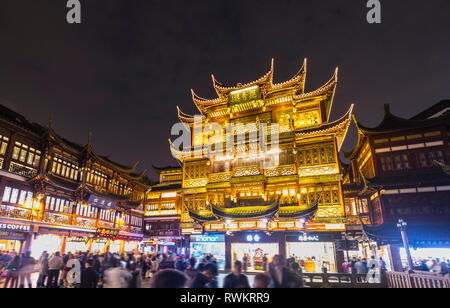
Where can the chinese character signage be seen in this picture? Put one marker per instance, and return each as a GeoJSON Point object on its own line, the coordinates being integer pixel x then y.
{"type": "Point", "coordinates": [106, 233]}
{"type": "Point", "coordinates": [244, 96]}
{"type": "Point", "coordinates": [101, 203]}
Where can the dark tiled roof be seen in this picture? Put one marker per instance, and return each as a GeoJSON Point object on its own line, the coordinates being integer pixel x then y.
{"type": "Point", "coordinates": [436, 108]}
{"type": "Point", "coordinates": [392, 123]}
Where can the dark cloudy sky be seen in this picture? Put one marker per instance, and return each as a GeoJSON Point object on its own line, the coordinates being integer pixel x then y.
{"type": "Point", "coordinates": [123, 71]}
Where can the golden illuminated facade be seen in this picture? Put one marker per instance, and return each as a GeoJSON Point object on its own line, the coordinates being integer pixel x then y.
{"type": "Point", "coordinates": [227, 190]}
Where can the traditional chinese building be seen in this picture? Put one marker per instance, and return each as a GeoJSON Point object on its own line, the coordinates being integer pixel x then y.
{"type": "Point", "coordinates": [61, 196]}
{"type": "Point", "coordinates": [399, 170]}
{"type": "Point", "coordinates": [163, 212]}
{"type": "Point", "coordinates": [238, 199]}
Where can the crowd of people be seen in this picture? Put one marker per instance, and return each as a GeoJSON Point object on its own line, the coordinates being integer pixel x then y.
{"type": "Point", "coordinates": [434, 265]}
{"type": "Point", "coordinates": [128, 270]}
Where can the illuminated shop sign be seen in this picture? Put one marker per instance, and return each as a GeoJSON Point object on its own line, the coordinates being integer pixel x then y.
{"type": "Point", "coordinates": [210, 238]}
{"type": "Point", "coordinates": [101, 202]}
{"type": "Point", "coordinates": [253, 238]}
{"type": "Point", "coordinates": [309, 237]}
{"type": "Point", "coordinates": [106, 233]}
{"type": "Point", "coordinates": [15, 227]}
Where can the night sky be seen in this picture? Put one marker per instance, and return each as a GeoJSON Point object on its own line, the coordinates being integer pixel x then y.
{"type": "Point", "coordinates": [123, 71]}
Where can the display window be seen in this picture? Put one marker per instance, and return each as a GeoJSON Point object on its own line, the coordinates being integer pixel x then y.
{"type": "Point", "coordinates": [99, 246]}
{"type": "Point", "coordinates": [114, 246]}
{"type": "Point", "coordinates": [209, 244]}
{"type": "Point", "coordinates": [313, 256]}
{"type": "Point", "coordinates": [46, 242]}
{"type": "Point", "coordinates": [254, 256]}
{"type": "Point", "coordinates": [130, 246]}
{"type": "Point", "coordinates": [7, 245]}
{"type": "Point", "coordinates": [76, 245]}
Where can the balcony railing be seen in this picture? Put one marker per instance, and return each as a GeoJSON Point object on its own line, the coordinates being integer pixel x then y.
{"type": "Point", "coordinates": [22, 170]}
{"type": "Point", "coordinates": [219, 177]}
{"type": "Point", "coordinates": [247, 171]}
{"type": "Point", "coordinates": [281, 171]}
{"type": "Point", "coordinates": [56, 219]}
{"type": "Point", "coordinates": [86, 223]}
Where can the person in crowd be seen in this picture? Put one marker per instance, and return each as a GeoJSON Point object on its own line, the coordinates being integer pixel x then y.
{"type": "Point", "coordinates": [373, 274]}
{"type": "Point", "coordinates": [435, 266]}
{"type": "Point", "coordinates": [155, 265]}
{"type": "Point", "coordinates": [261, 281]}
{"type": "Point", "coordinates": [167, 262]}
{"type": "Point", "coordinates": [265, 261]}
{"type": "Point", "coordinates": [169, 278]}
{"type": "Point", "coordinates": [11, 277]}
{"type": "Point", "coordinates": [191, 271]}
{"type": "Point", "coordinates": [26, 268]}
{"type": "Point", "coordinates": [236, 280]}
{"type": "Point", "coordinates": [55, 264]}
{"type": "Point", "coordinates": [143, 263]}
{"type": "Point", "coordinates": [43, 269]}
{"type": "Point", "coordinates": [245, 262]}
{"type": "Point", "coordinates": [382, 264]}
{"type": "Point", "coordinates": [116, 277]}
{"type": "Point", "coordinates": [347, 267]}
{"type": "Point", "coordinates": [360, 268]}
{"type": "Point", "coordinates": [89, 276]}
{"type": "Point", "coordinates": [282, 277]}
{"type": "Point", "coordinates": [443, 268]}
{"type": "Point", "coordinates": [206, 278]}
{"type": "Point", "coordinates": [299, 272]}
{"type": "Point", "coordinates": [181, 264]}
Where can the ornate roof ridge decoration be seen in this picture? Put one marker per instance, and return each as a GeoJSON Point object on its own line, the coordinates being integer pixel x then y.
{"type": "Point", "coordinates": [223, 90]}
{"type": "Point", "coordinates": [340, 125]}
{"type": "Point", "coordinates": [297, 80]}
{"type": "Point", "coordinates": [329, 89]}
{"type": "Point", "coordinates": [105, 194]}
{"type": "Point", "coordinates": [180, 155]}
{"type": "Point", "coordinates": [247, 212]}
{"type": "Point", "coordinates": [297, 212]}
{"type": "Point", "coordinates": [265, 82]}
{"type": "Point", "coordinates": [200, 217]}
{"type": "Point", "coordinates": [392, 123]}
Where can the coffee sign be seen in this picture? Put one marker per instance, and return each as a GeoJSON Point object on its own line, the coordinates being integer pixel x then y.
{"type": "Point", "coordinates": [15, 227]}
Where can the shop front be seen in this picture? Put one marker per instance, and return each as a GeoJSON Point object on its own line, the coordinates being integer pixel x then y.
{"type": "Point", "coordinates": [13, 237]}
{"type": "Point", "coordinates": [254, 249]}
{"type": "Point", "coordinates": [212, 243]}
{"type": "Point", "coordinates": [313, 251]}
{"type": "Point", "coordinates": [99, 245]}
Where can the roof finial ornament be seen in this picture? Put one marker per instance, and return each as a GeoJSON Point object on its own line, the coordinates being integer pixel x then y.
{"type": "Point", "coordinates": [50, 121]}
{"type": "Point", "coordinates": [89, 138]}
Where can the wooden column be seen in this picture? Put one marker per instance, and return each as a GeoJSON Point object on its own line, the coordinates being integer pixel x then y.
{"type": "Point", "coordinates": [339, 257]}
{"type": "Point", "coordinates": [394, 255]}
{"type": "Point", "coordinates": [228, 255]}
{"type": "Point", "coordinates": [63, 245]}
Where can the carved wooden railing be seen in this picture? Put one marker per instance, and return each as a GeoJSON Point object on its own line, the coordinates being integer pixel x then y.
{"type": "Point", "coordinates": [16, 212]}
{"type": "Point", "coordinates": [219, 177]}
{"type": "Point", "coordinates": [22, 170]}
{"type": "Point", "coordinates": [417, 280]}
{"type": "Point", "coordinates": [341, 280]}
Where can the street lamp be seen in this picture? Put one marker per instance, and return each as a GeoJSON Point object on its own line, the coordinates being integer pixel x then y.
{"type": "Point", "coordinates": [401, 224]}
